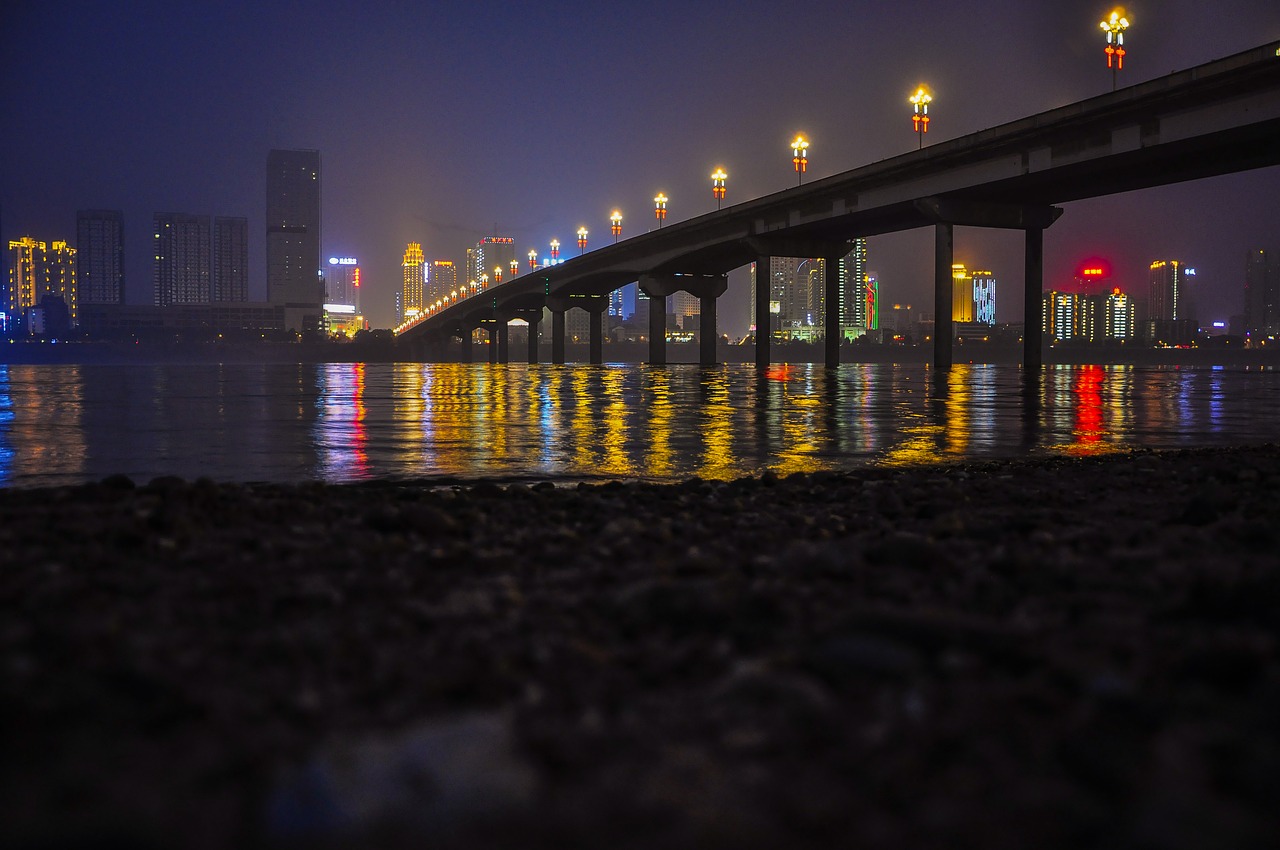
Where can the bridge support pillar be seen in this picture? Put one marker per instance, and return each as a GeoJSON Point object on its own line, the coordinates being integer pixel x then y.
{"type": "Point", "coordinates": [503, 331]}
{"type": "Point", "coordinates": [764, 281]}
{"type": "Point", "coordinates": [466, 344]}
{"type": "Point", "coordinates": [831, 300]}
{"type": "Point", "coordinates": [492, 329]}
{"type": "Point", "coordinates": [943, 251]}
{"type": "Point", "coordinates": [557, 336]}
{"type": "Point", "coordinates": [595, 334]}
{"type": "Point", "coordinates": [1033, 305]}
{"type": "Point", "coordinates": [658, 330]}
{"type": "Point", "coordinates": [707, 334]}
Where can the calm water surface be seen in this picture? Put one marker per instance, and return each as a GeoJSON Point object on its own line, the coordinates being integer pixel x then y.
{"type": "Point", "coordinates": [352, 422]}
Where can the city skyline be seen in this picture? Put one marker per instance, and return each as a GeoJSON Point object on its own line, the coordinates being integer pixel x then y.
{"type": "Point", "coordinates": [547, 147]}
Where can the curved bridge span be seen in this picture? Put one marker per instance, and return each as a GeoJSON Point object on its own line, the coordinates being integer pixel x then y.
{"type": "Point", "coordinates": [1218, 118]}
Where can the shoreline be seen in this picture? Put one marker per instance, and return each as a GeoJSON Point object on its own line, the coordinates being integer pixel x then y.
{"type": "Point", "coordinates": [1056, 652]}
{"type": "Point", "coordinates": [151, 352]}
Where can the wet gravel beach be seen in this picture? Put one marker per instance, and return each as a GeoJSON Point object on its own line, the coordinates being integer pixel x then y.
{"type": "Point", "coordinates": [1063, 653]}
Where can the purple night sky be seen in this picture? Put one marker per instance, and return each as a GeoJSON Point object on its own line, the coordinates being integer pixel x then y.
{"type": "Point", "coordinates": [437, 122]}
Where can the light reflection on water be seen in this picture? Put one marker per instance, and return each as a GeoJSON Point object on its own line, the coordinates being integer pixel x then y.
{"type": "Point", "coordinates": [352, 422]}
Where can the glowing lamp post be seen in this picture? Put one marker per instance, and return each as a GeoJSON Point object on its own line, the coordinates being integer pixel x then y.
{"type": "Point", "coordinates": [1114, 27]}
{"type": "Point", "coordinates": [515, 268]}
{"type": "Point", "coordinates": [533, 259]}
{"type": "Point", "coordinates": [497, 274]}
{"type": "Point", "coordinates": [660, 208]}
{"type": "Point", "coordinates": [484, 281]}
{"type": "Point", "coordinates": [920, 118]}
{"type": "Point", "coordinates": [555, 249]}
{"type": "Point", "coordinates": [717, 185]}
{"type": "Point", "coordinates": [800, 157]}
{"type": "Point", "coordinates": [582, 240]}
{"type": "Point", "coordinates": [615, 225]}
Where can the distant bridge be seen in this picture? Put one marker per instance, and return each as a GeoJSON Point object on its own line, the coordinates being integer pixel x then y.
{"type": "Point", "coordinates": [1218, 118]}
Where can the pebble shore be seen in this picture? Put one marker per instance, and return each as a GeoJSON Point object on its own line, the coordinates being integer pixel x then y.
{"type": "Point", "coordinates": [1055, 653]}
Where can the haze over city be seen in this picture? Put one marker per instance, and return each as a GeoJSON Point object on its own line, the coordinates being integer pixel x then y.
{"type": "Point", "coordinates": [444, 123]}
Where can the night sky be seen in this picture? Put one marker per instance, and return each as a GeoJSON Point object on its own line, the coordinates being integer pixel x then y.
{"type": "Point", "coordinates": [438, 122]}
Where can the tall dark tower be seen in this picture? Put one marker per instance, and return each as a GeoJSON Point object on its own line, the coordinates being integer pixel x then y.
{"type": "Point", "coordinates": [100, 256]}
{"type": "Point", "coordinates": [294, 275]}
{"type": "Point", "coordinates": [1261, 296]}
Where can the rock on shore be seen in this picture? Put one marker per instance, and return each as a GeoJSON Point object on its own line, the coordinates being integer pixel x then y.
{"type": "Point", "coordinates": [1052, 653]}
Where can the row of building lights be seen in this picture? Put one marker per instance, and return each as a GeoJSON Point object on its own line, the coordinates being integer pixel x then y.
{"type": "Point", "coordinates": [1114, 27]}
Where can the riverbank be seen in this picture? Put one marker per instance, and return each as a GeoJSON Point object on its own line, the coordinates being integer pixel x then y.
{"type": "Point", "coordinates": [1049, 653]}
{"type": "Point", "coordinates": [387, 351]}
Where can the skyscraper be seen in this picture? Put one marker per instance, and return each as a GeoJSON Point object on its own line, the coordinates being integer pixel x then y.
{"type": "Point", "coordinates": [27, 274]}
{"type": "Point", "coordinates": [1261, 299]}
{"type": "Point", "coordinates": [795, 296]}
{"type": "Point", "coordinates": [854, 295]}
{"type": "Point", "coordinates": [413, 290]}
{"type": "Point", "coordinates": [100, 256]}
{"type": "Point", "coordinates": [442, 279]}
{"type": "Point", "coordinates": [181, 269]}
{"type": "Point", "coordinates": [38, 270]}
{"type": "Point", "coordinates": [491, 252]}
{"type": "Point", "coordinates": [230, 259]}
{"type": "Point", "coordinates": [1170, 317]}
{"type": "Point", "coordinates": [294, 275]}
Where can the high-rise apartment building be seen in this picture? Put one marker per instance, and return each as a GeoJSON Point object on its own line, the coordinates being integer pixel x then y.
{"type": "Point", "coordinates": [1119, 315]}
{"type": "Point", "coordinates": [1261, 295]}
{"type": "Point", "coordinates": [856, 302]}
{"type": "Point", "coordinates": [294, 276]}
{"type": "Point", "coordinates": [340, 280]}
{"type": "Point", "coordinates": [182, 262]}
{"type": "Point", "coordinates": [489, 254]}
{"type": "Point", "coordinates": [1061, 315]}
{"type": "Point", "coordinates": [442, 279]}
{"type": "Point", "coordinates": [230, 259]}
{"type": "Point", "coordinates": [100, 256]}
{"type": "Point", "coordinates": [40, 269]}
{"type": "Point", "coordinates": [973, 295]}
{"type": "Point", "coordinates": [413, 289]}
{"type": "Point", "coordinates": [796, 294]}
{"type": "Point", "coordinates": [1170, 317]}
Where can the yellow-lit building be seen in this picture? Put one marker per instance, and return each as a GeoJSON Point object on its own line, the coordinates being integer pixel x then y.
{"type": "Point", "coordinates": [413, 290]}
{"type": "Point", "coordinates": [37, 269]}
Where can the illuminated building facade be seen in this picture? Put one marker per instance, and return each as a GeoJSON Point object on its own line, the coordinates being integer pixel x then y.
{"type": "Point", "coordinates": [984, 297]}
{"type": "Point", "coordinates": [340, 280]}
{"type": "Point", "coordinates": [858, 301]}
{"type": "Point", "coordinates": [100, 256]}
{"type": "Point", "coordinates": [1170, 319]}
{"type": "Point", "coordinates": [294, 275]}
{"type": "Point", "coordinates": [491, 252]}
{"type": "Point", "coordinates": [1119, 315]}
{"type": "Point", "coordinates": [442, 279]}
{"type": "Point", "coordinates": [413, 288]}
{"type": "Point", "coordinates": [1061, 315]}
{"type": "Point", "coordinates": [38, 270]}
{"type": "Point", "coordinates": [871, 300]}
{"type": "Point", "coordinates": [1261, 301]}
{"type": "Point", "coordinates": [230, 259]}
{"type": "Point", "coordinates": [973, 296]}
{"type": "Point", "coordinates": [181, 265]}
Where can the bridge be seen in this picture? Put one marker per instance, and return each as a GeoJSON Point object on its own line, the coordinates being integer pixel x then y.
{"type": "Point", "coordinates": [1218, 118]}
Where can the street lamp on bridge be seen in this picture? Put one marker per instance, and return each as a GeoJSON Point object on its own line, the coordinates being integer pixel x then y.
{"type": "Point", "coordinates": [800, 157]}
{"type": "Point", "coordinates": [717, 185]}
{"type": "Point", "coordinates": [582, 240]}
{"type": "Point", "coordinates": [515, 268]}
{"type": "Point", "coordinates": [615, 225]}
{"type": "Point", "coordinates": [1114, 27]}
{"type": "Point", "coordinates": [497, 274]}
{"type": "Point", "coordinates": [555, 250]}
{"type": "Point", "coordinates": [920, 118]}
{"type": "Point", "coordinates": [533, 258]}
{"type": "Point", "coordinates": [660, 208]}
